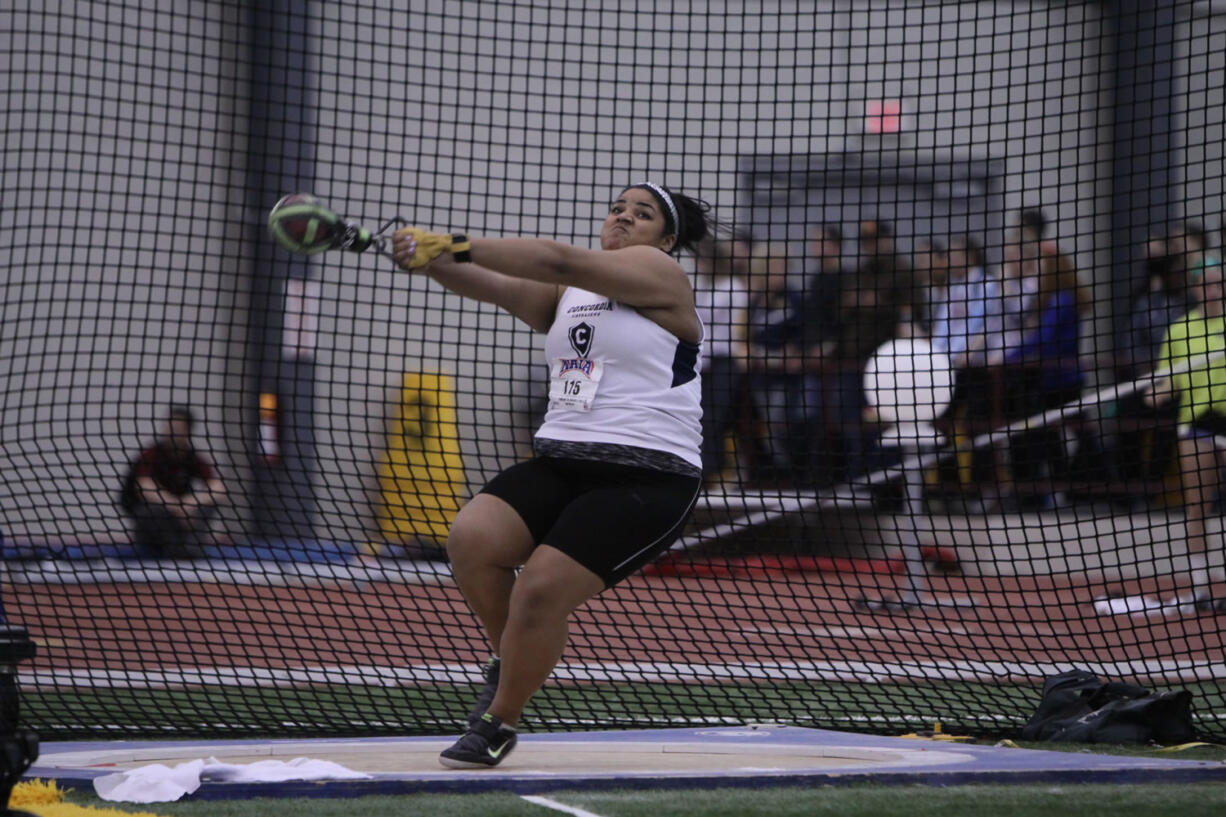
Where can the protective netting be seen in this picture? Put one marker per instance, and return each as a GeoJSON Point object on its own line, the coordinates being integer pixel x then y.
{"type": "Point", "coordinates": [1023, 197]}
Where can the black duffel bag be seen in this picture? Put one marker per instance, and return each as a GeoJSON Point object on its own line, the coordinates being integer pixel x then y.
{"type": "Point", "coordinates": [1078, 707]}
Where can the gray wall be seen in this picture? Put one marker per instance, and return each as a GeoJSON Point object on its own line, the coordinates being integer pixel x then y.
{"type": "Point", "coordinates": [122, 270]}
{"type": "Point", "coordinates": [1201, 71]}
{"type": "Point", "coordinates": [126, 239]}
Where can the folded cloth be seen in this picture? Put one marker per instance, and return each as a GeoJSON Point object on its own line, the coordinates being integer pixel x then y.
{"type": "Point", "coordinates": [151, 784]}
{"type": "Point", "coordinates": [162, 784]}
{"type": "Point", "coordinates": [300, 768]}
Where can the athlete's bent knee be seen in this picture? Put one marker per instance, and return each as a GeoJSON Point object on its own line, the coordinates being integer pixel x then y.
{"type": "Point", "coordinates": [484, 533]}
{"type": "Point", "coordinates": [536, 597]}
{"type": "Point", "coordinates": [468, 544]}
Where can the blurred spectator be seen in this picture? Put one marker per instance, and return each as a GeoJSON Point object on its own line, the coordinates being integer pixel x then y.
{"type": "Point", "coordinates": [1194, 246]}
{"type": "Point", "coordinates": [966, 308]}
{"type": "Point", "coordinates": [930, 277]}
{"type": "Point", "coordinates": [1162, 298]}
{"type": "Point", "coordinates": [776, 380]}
{"type": "Point", "coordinates": [880, 265]}
{"type": "Point", "coordinates": [171, 492]}
{"type": "Point", "coordinates": [1049, 364]}
{"type": "Point", "coordinates": [1202, 410]}
{"type": "Point", "coordinates": [1052, 324]}
{"type": "Point", "coordinates": [1016, 294]}
{"type": "Point", "coordinates": [1032, 227]}
{"type": "Point", "coordinates": [871, 312]}
{"type": "Point", "coordinates": [1146, 449]}
{"type": "Point", "coordinates": [964, 311]}
{"type": "Point", "coordinates": [722, 299]}
{"type": "Point", "coordinates": [824, 286]}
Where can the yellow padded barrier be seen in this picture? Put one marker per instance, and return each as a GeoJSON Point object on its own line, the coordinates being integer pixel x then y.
{"type": "Point", "coordinates": [421, 474]}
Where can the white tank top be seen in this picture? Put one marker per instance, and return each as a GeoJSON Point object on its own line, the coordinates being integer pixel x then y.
{"type": "Point", "coordinates": [616, 377]}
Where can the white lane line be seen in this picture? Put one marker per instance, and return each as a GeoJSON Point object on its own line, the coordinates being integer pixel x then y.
{"type": "Point", "coordinates": [556, 806]}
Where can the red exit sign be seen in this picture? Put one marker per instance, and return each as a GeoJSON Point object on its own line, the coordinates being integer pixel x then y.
{"type": "Point", "coordinates": [883, 116]}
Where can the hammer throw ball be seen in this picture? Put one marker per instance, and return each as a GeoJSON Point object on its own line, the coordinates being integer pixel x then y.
{"type": "Point", "coordinates": [302, 224]}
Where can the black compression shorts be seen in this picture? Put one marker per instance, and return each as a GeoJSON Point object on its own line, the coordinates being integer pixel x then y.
{"type": "Point", "coordinates": [610, 518]}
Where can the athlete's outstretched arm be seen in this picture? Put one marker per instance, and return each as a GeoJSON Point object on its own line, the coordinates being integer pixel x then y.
{"type": "Point", "coordinates": [532, 302]}
{"type": "Point", "coordinates": [638, 275]}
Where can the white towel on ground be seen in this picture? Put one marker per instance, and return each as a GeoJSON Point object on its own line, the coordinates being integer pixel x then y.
{"type": "Point", "coordinates": [162, 784]}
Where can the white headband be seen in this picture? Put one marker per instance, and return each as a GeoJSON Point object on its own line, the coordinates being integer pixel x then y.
{"type": "Point", "coordinates": [662, 194]}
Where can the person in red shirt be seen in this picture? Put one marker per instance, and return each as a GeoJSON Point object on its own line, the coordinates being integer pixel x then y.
{"type": "Point", "coordinates": [171, 493]}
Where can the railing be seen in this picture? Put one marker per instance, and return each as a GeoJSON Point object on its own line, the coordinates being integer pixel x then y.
{"type": "Point", "coordinates": [1114, 446]}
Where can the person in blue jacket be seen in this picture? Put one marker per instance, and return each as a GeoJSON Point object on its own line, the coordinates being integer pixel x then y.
{"type": "Point", "coordinates": [1051, 374]}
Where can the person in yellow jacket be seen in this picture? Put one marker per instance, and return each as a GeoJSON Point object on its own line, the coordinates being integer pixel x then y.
{"type": "Point", "coordinates": [1194, 350]}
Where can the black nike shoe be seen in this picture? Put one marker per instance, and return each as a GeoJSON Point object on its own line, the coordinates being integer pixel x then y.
{"type": "Point", "coordinates": [492, 671]}
{"type": "Point", "coordinates": [487, 743]}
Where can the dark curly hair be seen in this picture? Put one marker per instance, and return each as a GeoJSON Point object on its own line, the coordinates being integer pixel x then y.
{"type": "Point", "coordinates": [693, 222]}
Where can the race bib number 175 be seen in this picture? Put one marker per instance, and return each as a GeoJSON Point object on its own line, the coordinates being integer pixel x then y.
{"type": "Point", "coordinates": [573, 382]}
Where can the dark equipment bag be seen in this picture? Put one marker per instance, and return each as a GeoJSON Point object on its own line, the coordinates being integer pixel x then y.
{"type": "Point", "coordinates": [1079, 708]}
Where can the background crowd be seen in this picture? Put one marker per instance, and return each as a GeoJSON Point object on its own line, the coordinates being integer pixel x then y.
{"type": "Point", "coordinates": [789, 337]}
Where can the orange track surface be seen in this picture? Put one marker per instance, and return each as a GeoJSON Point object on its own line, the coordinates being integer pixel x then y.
{"type": "Point", "coordinates": [751, 616]}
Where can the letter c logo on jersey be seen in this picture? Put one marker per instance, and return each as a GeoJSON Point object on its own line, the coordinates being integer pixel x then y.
{"type": "Point", "coordinates": [581, 338]}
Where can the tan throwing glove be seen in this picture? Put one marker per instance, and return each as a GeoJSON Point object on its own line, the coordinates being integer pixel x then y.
{"type": "Point", "coordinates": [432, 245]}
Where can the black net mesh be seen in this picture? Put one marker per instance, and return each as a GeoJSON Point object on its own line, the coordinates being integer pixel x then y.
{"type": "Point", "coordinates": [1023, 199]}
